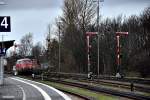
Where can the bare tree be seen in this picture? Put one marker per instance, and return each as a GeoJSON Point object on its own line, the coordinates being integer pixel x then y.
{"type": "Point", "coordinates": [26, 44]}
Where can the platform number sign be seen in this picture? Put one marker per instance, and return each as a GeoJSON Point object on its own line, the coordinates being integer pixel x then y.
{"type": "Point", "coordinates": [5, 24]}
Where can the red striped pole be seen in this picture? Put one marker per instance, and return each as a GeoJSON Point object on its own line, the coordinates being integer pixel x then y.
{"type": "Point", "coordinates": [118, 34]}
{"type": "Point", "coordinates": [88, 51]}
{"type": "Point", "coordinates": [88, 35]}
{"type": "Point", "coordinates": [118, 52]}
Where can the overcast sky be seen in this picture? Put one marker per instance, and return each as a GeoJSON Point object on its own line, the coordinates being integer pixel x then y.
{"type": "Point", "coordinates": [35, 15]}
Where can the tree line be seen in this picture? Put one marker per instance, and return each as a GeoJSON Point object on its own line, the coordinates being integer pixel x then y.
{"type": "Point", "coordinates": [79, 17]}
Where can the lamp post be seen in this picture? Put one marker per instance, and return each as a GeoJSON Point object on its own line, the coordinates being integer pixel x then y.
{"type": "Point", "coordinates": [2, 61]}
{"type": "Point", "coordinates": [1, 65]}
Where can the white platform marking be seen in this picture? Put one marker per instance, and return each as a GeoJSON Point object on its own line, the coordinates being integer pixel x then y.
{"type": "Point", "coordinates": [8, 97]}
{"type": "Point", "coordinates": [24, 95]}
{"type": "Point", "coordinates": [59, 92]}
{"type": "Point", "coordinates": [45, 95]}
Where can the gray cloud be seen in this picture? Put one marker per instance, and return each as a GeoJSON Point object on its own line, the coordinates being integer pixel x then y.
{"type": "Point", "coordinates": [30, 4]}
{"type": "Point", "coordinates": [111, 3]}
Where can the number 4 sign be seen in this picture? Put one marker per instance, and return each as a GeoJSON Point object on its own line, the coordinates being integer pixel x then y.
{"type": "Point", "coordinates": [5, 24]}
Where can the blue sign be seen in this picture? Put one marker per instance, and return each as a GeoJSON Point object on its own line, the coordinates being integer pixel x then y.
{"type": "Point", "coordinates": [2, 51]}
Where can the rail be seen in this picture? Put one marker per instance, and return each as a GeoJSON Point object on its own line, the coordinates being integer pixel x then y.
{"type": "Point", "coordinates": [98, 89]}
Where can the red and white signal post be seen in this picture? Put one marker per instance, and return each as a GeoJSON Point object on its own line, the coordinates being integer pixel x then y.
{"type": "Point", "coordinates": [88, 36]}
{"type": "Point", "coordinates": [118, 34]}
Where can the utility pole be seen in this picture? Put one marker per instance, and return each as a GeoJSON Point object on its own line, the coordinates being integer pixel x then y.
{"type": "Point", "coordinates": [98, 52]}
{"type": "Point", "coordinates": [98, 58]}
{"type": "Point", "coordinates": [98, 37]}
{"type": "Point", "coordinates": [59, 47]}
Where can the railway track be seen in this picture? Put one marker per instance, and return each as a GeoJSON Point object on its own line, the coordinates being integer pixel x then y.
{"type": "Point", "coordinates": [131, 95]}
{"type": "Point", "coordinates": [108, 91]}
{"type": "Point", "coordinates": [125, 85]}
{"type": "Point", "coordinates": [113, 78]}
{"type": "Point", "coordinates": [140, 84]}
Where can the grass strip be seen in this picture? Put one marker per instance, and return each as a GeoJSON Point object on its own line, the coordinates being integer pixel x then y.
{"type": "Point", "coordinates": [80, 91]}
